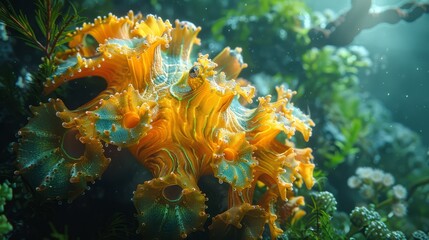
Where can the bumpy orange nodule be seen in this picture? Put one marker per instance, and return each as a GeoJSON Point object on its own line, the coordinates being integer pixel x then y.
{"type": "Point", "coordinates": [229, 154]}
{"type": "Point", "coordinates": [130, 119]}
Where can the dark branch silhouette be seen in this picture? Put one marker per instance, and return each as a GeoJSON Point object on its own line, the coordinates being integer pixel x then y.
{"type": "Point", "coordinates": [346, 27]}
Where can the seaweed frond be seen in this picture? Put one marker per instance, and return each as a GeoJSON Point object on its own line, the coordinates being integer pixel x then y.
{"type": "Point", "coordinates": [320, 221]}
{"type": "Point", "coordinates": [19, 22]}
{"type": "Point", "coordinates": [316, 224]}
{"type": "Point", "coordinates": [54, 22]}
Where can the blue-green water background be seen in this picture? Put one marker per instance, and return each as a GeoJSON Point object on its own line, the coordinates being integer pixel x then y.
{"type": "Point", "coordinates": [401, 55]}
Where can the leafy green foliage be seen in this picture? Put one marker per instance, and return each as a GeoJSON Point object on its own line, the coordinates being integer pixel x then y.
{"type": "Point", "coordinates": [349, 129]}
{"type": "Point", "coordinates": [284, 25]}
{"type": "Point", "coordinates": [282, 14]}
{"type": "Point", "coordinates": [5, 195]}
{"type": "Point", "coordinates": [329, 67]}
{"type": "Point", "coordinates": [331, 76]}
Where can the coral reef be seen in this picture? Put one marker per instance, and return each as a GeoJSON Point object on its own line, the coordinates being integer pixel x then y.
{"type": "Point", "coordinates": [182, 118]}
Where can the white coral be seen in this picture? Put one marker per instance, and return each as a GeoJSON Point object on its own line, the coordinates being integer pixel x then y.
{"type": "Point", "coordinates": [399, 209]}
{"type": "Point", "coordinates": [377, 175]}
{"type": "Point", "coordinates": [399, 192]}
{"type": "Point", "coordinates": [364, 172]}
{"type": "Point", "coordinates": [388, 180]}
{"type": "Point", "coordinates": [354, 182]}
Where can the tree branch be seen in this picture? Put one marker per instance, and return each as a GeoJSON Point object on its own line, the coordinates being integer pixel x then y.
{"type": "Point", "coordinates": [346, 27]}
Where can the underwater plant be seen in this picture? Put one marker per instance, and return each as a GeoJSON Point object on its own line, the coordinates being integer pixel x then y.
{"type": "Point", "coordinates": [53, 24]}
{"type": "Point", "coordinates": [368, 222]}
{"type": "Point", "coordinates": [182, 118]}
{"type": "Point", "coordinates": [5, 195]}
{"type": "Point", "coordinates": [323, 221]}
{"type": "Point", "coordinates": [377, 187]}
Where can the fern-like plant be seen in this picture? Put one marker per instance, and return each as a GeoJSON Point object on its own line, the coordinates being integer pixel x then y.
{"type": "Point", "coordinates": [316, 224]}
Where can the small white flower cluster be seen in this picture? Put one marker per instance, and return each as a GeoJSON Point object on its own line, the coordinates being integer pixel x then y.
{"type": "Point", "coordinates": [399, 193]}
{"type": "Point", "coordinates": [365, 175]}
{"type": "Point", "coordinates": [372, 183]}
{"type": "Point", "coordinates": [399, 209]}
